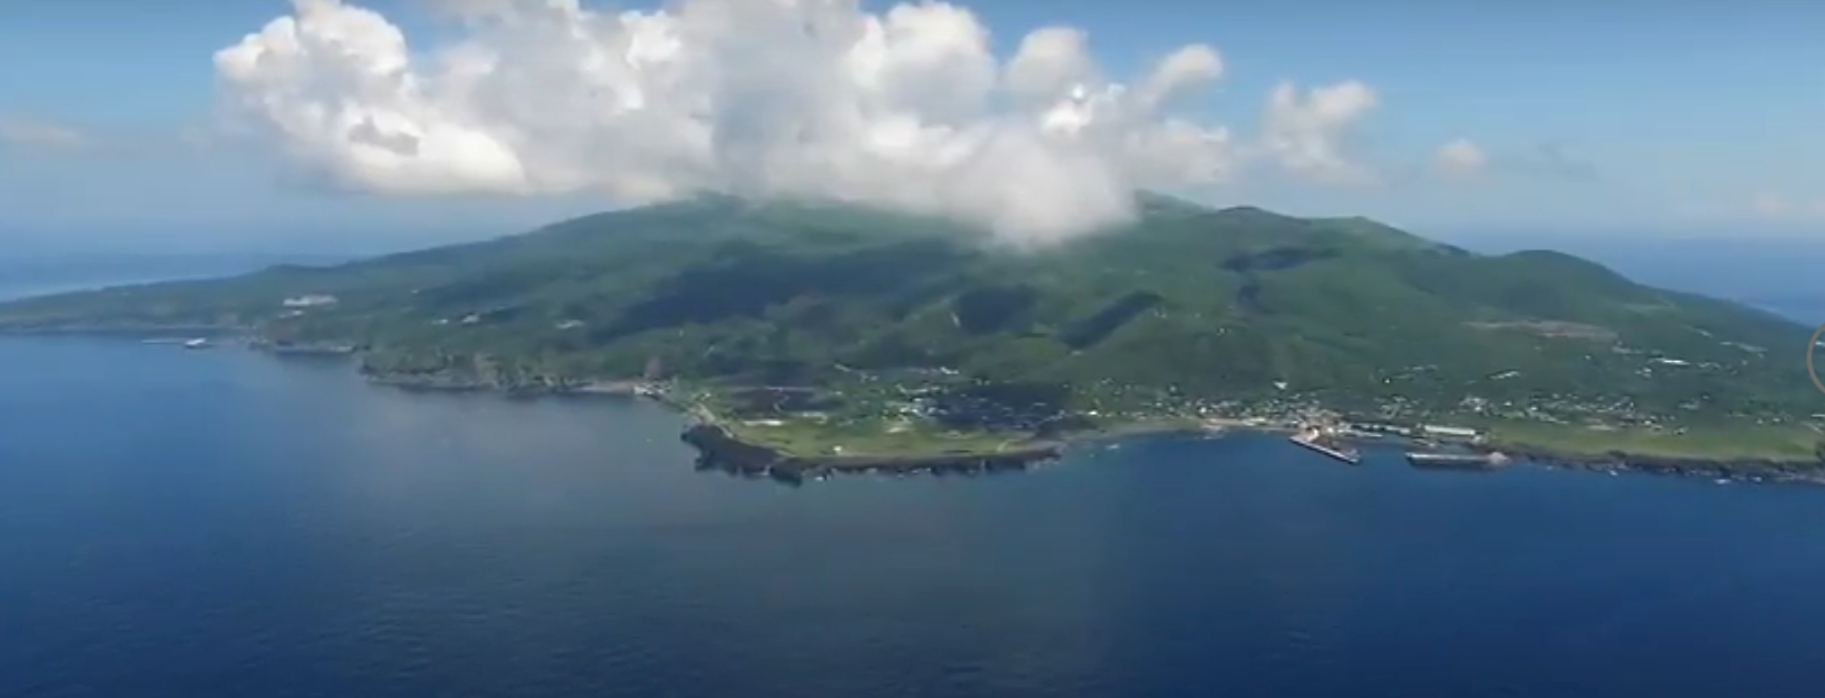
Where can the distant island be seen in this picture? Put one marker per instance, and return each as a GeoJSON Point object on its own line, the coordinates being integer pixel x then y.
{"type": "Point", "coordinates": [816, 337]}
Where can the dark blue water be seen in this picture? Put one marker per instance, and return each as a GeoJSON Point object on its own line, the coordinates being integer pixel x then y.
{"type": "Point", "coordinates": [197, 524]}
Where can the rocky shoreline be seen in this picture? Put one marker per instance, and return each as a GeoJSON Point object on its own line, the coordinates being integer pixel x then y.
{"type": "Point", "coordinates": [445, 383]}
{"type": "Point", "coordinates": [719, 450]}
{"type": "Point", "coordinates": [323, 349]}
{"type": "Point", "coordinates": [1743, 470]}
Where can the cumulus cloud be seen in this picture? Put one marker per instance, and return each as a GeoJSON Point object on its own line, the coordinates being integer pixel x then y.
{"type": "Point", "coordinates": [28, 132]}
{"type": "Point", "coordinates": [1459, 158]}
{"type": "Point", "coordinates": [1462, 158]}
{"type": "Point", "coordinates": [1305, 133]}
{"type": "Point", "coordinates": [908, 108]}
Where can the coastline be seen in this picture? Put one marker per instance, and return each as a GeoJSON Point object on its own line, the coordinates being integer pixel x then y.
{"type": "Point", "coordinates": [1731, 469]}
{"type": "Point", "coordinates": [211, 331]}
{"type": "Point", "coordinates": [718, 449]}
{"type": "Point", "coordinates": [721, 448]}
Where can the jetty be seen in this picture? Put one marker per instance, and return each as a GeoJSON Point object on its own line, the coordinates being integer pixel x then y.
{"type": "Point", "coordinates": [1456, 461]}
{"type": "Point", "coordinates": [1317, 438]}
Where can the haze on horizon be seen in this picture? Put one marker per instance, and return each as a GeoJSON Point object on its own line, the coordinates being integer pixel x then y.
{"type": "Point", "coordinates": [336, 121]}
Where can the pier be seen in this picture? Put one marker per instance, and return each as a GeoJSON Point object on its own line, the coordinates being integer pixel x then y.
{"type": "Point", "coordinates": [1314, 439]}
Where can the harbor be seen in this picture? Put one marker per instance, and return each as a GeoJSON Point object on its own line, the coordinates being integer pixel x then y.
{"type": "Point", "coordinates": [1433, 447]}
{"type": "Point", "coordinates": [1323, 440]}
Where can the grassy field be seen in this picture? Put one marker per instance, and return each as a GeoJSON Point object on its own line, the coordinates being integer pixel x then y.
{"type": "Point", "coordinates": [809, 437]}
{"type": "Point", "coordinates": [1794, 442]}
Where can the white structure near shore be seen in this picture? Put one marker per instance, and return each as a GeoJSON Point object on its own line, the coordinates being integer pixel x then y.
{"type": "Point", "coordinates": [310, 301]}
{"type": "Point", "coordinates": [1449, 432]}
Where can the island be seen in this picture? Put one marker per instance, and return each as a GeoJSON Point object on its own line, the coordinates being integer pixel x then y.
{"type": "Point", "coordinates": [808, 338]}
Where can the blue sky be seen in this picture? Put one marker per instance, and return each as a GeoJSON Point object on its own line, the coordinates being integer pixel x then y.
{"type": "Point", "coordinates": [1700, 118]}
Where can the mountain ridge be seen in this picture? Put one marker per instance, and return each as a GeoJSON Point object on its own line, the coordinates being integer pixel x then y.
{"type": "Point", "coordinates": [1240, 306]}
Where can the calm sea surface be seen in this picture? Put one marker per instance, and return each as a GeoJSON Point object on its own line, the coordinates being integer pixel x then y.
{"type": "Point", "coordinates": [220, 523]}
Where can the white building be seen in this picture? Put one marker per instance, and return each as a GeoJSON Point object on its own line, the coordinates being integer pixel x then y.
{"type": "Point", "coordinates": [311, 300]}
{"type": "Point", "coordinates": [1452, 432]}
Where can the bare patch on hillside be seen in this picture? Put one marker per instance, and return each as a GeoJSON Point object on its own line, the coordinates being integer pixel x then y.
{"type": "Point", "coordinates": [1554, 329]}
{"type": "Point", "coordinates": [1650, 308]}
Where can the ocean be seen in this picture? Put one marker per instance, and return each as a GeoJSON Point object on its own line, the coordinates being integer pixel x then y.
{"type": "Point", "coordinates": [225, 523]}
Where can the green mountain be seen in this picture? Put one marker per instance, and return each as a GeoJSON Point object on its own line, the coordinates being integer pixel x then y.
{"type": "Point", "coordinates": [1187, 304]}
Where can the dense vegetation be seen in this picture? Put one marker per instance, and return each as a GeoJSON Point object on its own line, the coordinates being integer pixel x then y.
{"type": "Point", "coordinates": [1239, 304]}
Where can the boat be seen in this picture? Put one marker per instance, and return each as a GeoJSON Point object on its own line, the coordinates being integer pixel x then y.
{"type": "Point", "coordinates": [198, 343]}
{"type": "Point", "coordinates": [1454, 461]}
{"type": "Point", "coordinates": [1311, 439]}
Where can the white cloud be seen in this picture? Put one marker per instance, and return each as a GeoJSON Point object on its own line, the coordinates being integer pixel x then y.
{"type": "Point", "coordinates": [908, 108]}
{"type": "Point", "coordinates": [1306, 134]}
{"type": "Point", "coordinates": [24, 131]}
{"type": "Point", "coordinates": [1775, 205]}
{"type": "Point", "coordinates": [1771, 204]}
{"type": "Point", "coordinates": [1459, 158]}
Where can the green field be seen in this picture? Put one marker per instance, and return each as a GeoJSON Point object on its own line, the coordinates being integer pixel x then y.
{"type": "Point", "coordinates": [805, 438]}
{"type": "Point", "coordinates": [1746, 442]}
